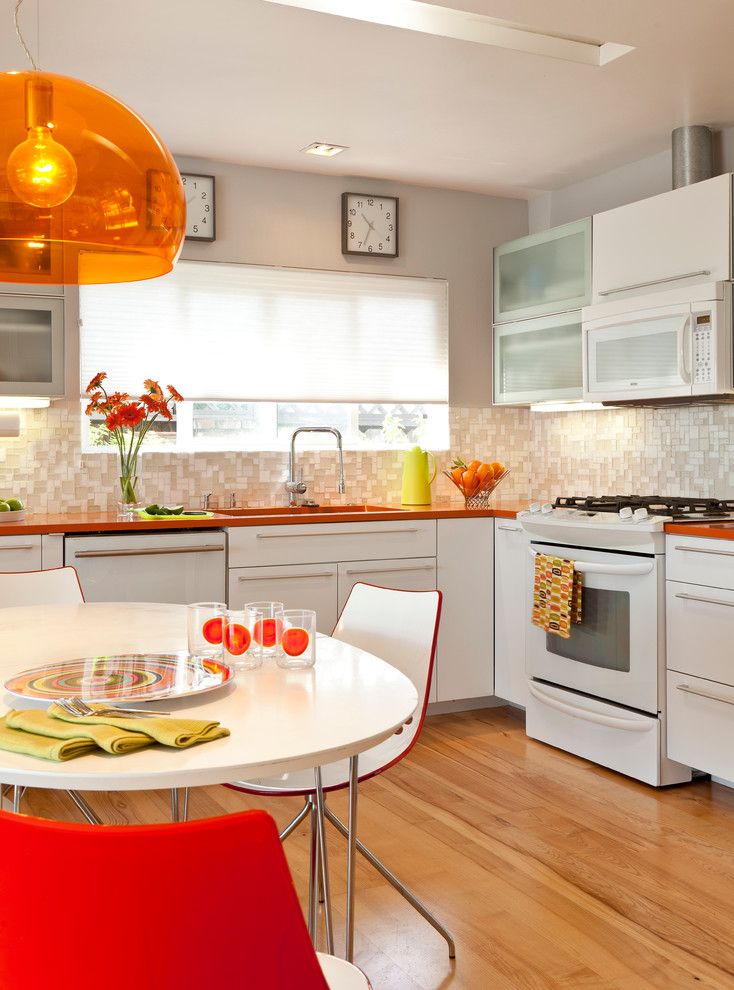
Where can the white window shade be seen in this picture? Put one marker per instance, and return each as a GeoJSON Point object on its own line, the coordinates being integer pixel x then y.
{"type": "Point", "coordinates": [247, 333]}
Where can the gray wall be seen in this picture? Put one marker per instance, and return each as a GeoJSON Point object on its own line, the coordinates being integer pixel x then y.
{"type": "Point", "coordinates": [273, 217]}
{"type": "Point", "coordinates": [636, 180]}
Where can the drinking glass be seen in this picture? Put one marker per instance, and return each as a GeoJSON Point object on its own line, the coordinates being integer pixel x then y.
{"type": "Point", "coordinates": [298, 639]}
{"type": "Point", "coordinates": [239, 647]}
{"type": "Point", "coordinates": [266, 626]}
{"type": "Point", "coordinates": [205, 622]}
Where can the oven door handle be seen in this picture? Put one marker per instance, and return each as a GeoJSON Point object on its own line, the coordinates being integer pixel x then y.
{"type": "Point", "coordinates": [610, 721]}
{"type": "Point", "coordinates": [623, 570]}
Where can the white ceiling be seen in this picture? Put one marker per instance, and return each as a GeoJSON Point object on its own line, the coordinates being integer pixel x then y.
{"type": "Point", "coordinates": [253, 82]}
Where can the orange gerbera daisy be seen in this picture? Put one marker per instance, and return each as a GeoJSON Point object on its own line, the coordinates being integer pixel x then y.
{"type": "Point", "coordinates": [130, 414]}
{"type": "Point", "coordinates": [164, 411]}
{"type": "Point", "coordinates": [175, 394]}
{"type": "Point", "coordinates": [96, 381]}
{"type": "Point", "coordinates": [117, 398]}
{"type": "Point", "coordinates": [112, 422]}
{"type": "Point", "coordinates": [94, 403]}
{"type": "Point", "coordinates": [154, 389]}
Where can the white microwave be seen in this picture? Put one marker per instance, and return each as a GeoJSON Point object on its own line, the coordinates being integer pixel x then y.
{"type": "Point", "coordinates": [666, 346]}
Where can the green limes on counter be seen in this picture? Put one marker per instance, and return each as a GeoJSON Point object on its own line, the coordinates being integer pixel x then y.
{"type": "Point", "coordinates": [164, 510]}
{"type": "Point", "coordinates": [152, 510]}
{"type": "Point", "coordinates": [4, 507]}
{"type": "Point", "coordinates": [14, 504]}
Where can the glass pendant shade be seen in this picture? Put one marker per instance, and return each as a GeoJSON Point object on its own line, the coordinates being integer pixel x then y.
{"type": "Point", "coordinates": [88, 192]}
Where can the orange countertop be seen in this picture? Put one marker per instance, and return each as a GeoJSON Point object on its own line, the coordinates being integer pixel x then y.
{"type": "Point", "coordinates": [107, 522]}
{"type": "Point", "coordinates": [712, 530]}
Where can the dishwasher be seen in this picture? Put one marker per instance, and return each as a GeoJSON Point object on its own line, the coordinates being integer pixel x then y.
{"type": "Point", "coordinates": [175, 568]}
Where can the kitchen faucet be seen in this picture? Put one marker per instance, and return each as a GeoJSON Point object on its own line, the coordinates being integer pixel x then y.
{"type": "Point", "coordinates": [295, 486]}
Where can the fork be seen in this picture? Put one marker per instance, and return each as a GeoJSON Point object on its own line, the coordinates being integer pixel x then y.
{"type": "Point", "coordinates": [79, 708]}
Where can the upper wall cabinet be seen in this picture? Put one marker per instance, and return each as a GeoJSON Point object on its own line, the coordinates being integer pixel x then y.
{"type": "Point", "coordinates": [31, 345]}
{"type": "Point", "coordinates": [678, 238]}
{"type": "Point", "coordinates": [538, 360]}
{"type": "Point", "coordinates": [543, 273]}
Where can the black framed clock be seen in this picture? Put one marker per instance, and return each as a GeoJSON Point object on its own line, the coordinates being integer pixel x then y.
{"type": "Point", "coordinates": [200, 207]}
{"type": "Point", "coordinates": [370, 224]}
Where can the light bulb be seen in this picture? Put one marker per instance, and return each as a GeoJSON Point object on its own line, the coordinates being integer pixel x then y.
{"type": "Point", "coordinates": [41, 171]}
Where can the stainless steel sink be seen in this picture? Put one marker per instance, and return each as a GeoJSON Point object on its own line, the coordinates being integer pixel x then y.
{"type": "Point", "coordinates": [305, 510]}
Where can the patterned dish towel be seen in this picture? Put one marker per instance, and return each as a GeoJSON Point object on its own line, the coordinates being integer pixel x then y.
{"type": "Point", "coordinates": [556, 595]}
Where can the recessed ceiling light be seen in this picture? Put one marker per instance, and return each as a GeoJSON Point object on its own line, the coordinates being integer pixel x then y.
{"type": "Point", "coordinates": [463, 25]}
{"type": "Point", "coordinates": [323, 149]}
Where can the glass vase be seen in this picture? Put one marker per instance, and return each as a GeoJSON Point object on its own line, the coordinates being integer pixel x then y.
{"type": "Point", "coordinates": [128, 496]}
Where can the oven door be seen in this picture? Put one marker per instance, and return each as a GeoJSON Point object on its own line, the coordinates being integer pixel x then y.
{"type": "Point", "coordinates": [612, 653]}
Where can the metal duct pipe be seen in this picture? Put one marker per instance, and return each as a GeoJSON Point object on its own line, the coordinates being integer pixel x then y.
{"type": "Point", "coordinates": [693, 155]}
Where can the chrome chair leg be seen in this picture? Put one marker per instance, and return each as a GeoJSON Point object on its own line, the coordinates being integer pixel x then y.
{"type": "Point", "coordinates": [175, 811]}
{"type": "Point", "coordinates": [17, 795]}
{"type": "Point", "coordinates": [313, 873]}
{"type": "Point", "coordinates": [89, 815]}
{"type": "Point", "coordinates": [292, 826]}
{"type": "Point", "coordinates": [185, 809]}
{"type": "Point", "coordinates": [393, 880]}
{"type": "Point", "coordinates": [324, 883]}
{"type": "Point", "coordinates": [352, 855]}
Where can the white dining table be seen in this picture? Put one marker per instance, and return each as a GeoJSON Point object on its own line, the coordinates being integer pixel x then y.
{"type": "Point", "coordinates": [279, 720]}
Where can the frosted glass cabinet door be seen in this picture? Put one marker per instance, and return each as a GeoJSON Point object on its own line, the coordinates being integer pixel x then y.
{"type": "Point", "coordinates": [543, 273]}
{"type": "Point", "coordinates": [31, 345]}
{"type": "Point", "coordinates": [538, 360]}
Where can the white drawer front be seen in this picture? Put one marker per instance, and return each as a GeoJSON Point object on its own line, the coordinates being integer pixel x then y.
{"type": "Point", "coordinates": [618, 738]}
{"type": "Point", "coordinates": [418, 574]}
{"type": "Point", "coordinates": [20, 553]}
{"type": "Point", "coordinates": [700, 561]}
{"type": "Point", "coordinates": [312, 543]}
{"type": "Point", "coordinates": [297, 586]}
{"type": "Point", "coordinates": [701, 724]}
{"type": "Point", "coordinates": [700, 622]}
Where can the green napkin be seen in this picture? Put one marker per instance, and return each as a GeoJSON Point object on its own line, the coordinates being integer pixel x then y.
{"type": "Point", "coordinates": [44, 747]}
{"type": "Point", "coordinates": [111, 738]}
{"type": "Point", "coordinates": [168, 731]}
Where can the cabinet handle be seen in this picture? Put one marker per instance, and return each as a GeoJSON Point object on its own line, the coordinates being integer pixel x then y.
{"type": "Point", "coordinates": [21, 546]}
{"type": "Point", "coordinates": [354, 532]}
{"type": "Point", "coordinates": [392, 570]}
{"type": "Point", "coordinates": [289, 577]}
{"type": "Point", "coordinates": [511, 529]}
{"type": "Point", "coordinates": [709, 601]}
{"type": "Point", "coordinates": [687, 689]}
{"type": "Point", "coordinates": [587, 567]}
{"type": "Point", "coordinates": [654, 281]}
{"type": "Point", "coordinates": [716, 553]}
{"type": "Point", "coordinates": [153, 551]}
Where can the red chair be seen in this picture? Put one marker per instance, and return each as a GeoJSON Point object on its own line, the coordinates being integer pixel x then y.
{"type": "Point", "coordinates": [207, 903]}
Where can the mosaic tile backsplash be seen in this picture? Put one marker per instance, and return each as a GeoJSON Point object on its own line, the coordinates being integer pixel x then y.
{"type": "Point", "coordinates": [682, 451]}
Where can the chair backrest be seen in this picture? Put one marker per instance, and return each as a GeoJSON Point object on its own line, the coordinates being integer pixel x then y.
{"type": "Point", "coordinates": [206, 903]}
{"type": "Point", "coordinates": [400, 627]}
{"type": "Point", "coordinates": [57, 586]}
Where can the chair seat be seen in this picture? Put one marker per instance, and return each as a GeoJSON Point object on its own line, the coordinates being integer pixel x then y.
{"type": "Point", "coordinates": [335, 775]}
{"type": "Point", "coordinates": [341, 975]}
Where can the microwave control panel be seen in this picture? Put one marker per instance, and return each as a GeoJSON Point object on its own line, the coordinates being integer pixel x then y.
{"type": "Point", "coordinates": [703, 353]}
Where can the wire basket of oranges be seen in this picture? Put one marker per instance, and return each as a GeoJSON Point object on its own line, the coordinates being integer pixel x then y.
{"type": "Point", "coordinates": [477, 480]}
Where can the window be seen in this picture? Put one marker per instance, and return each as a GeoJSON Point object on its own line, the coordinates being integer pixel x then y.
{"type": "Point", "coordinates": [258, 351]}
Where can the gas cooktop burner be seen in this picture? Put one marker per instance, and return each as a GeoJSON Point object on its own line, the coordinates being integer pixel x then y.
{"type": "Point", "coordinates": [680, 509]}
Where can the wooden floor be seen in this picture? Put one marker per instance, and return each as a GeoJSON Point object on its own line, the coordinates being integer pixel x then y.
{"type": "Point", "coordinates": [550, 871]}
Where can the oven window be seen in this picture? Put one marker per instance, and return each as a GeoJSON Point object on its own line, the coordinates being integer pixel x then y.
{"type": "Point", "coordinates": [602, 638]}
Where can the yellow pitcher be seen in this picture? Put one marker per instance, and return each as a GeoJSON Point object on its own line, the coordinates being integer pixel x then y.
{"type": "Point", "coordinates": [416, 479]}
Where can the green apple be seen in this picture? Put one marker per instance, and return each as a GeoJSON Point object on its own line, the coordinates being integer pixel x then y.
{"type": "Point", "coordinates": [4, 507]}
{"type": "Point", "coordinates": [15, 504]}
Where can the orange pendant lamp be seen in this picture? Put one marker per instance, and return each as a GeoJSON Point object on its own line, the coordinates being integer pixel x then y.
{"type": "Point", "coordinates": [88, 191]}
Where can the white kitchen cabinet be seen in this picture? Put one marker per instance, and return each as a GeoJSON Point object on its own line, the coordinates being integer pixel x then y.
{"type": "Point", "coordinates": [173, 567]}
{"type": "Point", "coordinates": [680, 237]}
{"type": "Point", "coordinates": [20, 553]}
{"type": "Point", "coordinates": [700, 674]}
{"type": "Point", "coordinates": [31, 345]}
{"type": "Point", "coordinates": [538, 360]}
{"type": "Point", "coordinates": [311, 586]}
{"type": "Point", "coordinates": [418, 574]}
{"type": "Point", "coordinates": [310, 543]}
{"type": "Point", "coordinates": [511, 610]}
{"type": "Point", "coordinates": [466, 634]}
{"type": "Point", "coordinates": [543, 273]}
